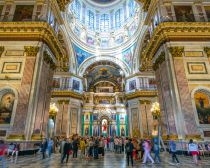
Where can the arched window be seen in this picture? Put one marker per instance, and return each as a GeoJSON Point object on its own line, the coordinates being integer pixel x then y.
{"type": "Point", "coordinates": [104, 23]}
{"type": "Point", "coordinates": [91, 20]}
{"type": "Point", "coordinates": [131, 5]}
{"type": "Point", "coordinates": [77, 9]}
{"type": "Point", "coordinates": [118, 18]}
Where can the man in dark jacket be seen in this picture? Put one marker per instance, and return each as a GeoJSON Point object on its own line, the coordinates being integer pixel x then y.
{"type": "Point", "coordinates": [66, 151]}
{"type": "Point", "coordinates": [44, 147]}
{"type": "Point", "coordinates": [75, 145]}
{"type": "Point", "coordinates": [129, 150]}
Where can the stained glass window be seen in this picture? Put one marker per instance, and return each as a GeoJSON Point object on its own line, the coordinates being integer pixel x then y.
{"type": "Point", "coordinates": [104, 23]}
{"type": "Point", "coordinates": [91, 20]}
{"type": "Point", "coordinates": [118, 18]}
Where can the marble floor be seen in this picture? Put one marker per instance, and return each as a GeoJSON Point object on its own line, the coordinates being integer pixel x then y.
{"type": "Point", "coordinates": [110, 160]}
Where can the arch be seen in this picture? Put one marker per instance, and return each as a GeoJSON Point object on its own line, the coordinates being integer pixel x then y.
{"type": "Point", "coordinates": [200, 109]}
{"type": "Point", "coordinates": [95, 59]}
{"type": "Point", "coordinates": [3, 92]}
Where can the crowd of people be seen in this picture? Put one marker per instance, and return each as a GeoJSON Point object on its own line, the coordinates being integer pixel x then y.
{"type": "Point", "coordinates": [91, 148]}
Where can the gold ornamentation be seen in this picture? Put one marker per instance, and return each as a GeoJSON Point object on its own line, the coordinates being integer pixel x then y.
{"type": "Point", "coordinates": [36, 31]}
{"type": "Point", "coordinates": [62, 4]}
{"type": "Point", "coordinates": [193, 136]}
{"type": "Point", "coordinates": [176, 51]}
{"type": "Point", "coordinates": [36, 137]}
{"type": "Point", "coordinates": [16, 137]}
{"type": "Point", "coordinates": [207, 50]}
{"type": "Point", "coordinates": [144, 101]}
{"type": "Point", "coordinates": [59, 93]}
{"type": "Point", "coordinates": [1, 50]}
{"type": "Point", "coordinates": [63, 101]}
{"type": "Point", "coordinates": [173, 31]}
{"type": "Point", "coordinates": [49, 60]}
{"type": "Point", "coordinates": [159, 61]}
{"type": "Point", "coordinates": [146, 4]}
{"type": "Point", "coordinates": [31, 51]}
{"type": "Point", "coordinates": [142, 93]}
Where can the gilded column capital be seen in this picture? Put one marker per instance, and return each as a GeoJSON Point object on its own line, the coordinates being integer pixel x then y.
{"type": "Point", "coordinates": [144, 101]}
{"type": "Point", "coordinates": [49, 60]}
{"type": "Point", "coordinates": [158, 61]}
{"type": "Point", "coordinates": [63, 101]}
{"type": "Point", "coordinates": [207, 50]}
{"type": "Point", "coordinates": [176, 51]}
{"type": "Point", "coordinates": [31, 51]}
{"type": "Point", "coordinates": [1, 50]}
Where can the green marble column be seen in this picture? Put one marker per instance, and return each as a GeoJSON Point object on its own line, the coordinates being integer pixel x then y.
{"type": "Point", "coordinates": [83, 120]}
{"type": "Point", "coordinates": [118, 125]}
{"type": "Point", "coordinates": [91, 125]}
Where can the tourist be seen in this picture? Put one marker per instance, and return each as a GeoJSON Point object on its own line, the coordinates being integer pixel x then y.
{"type": "Point", "coordinates": [172, 147]}
{"type": "Point", "coordinates": [105, 143]}
{"type": "Point", "coordinates": [63, 141]}
{"type": "Point", "coordinates": [147, 150]}
{"type": "Point", "coordinates": [95, 148]}
{"type": "Point", "coordinates": [129, 150]}
{"type": "Point", "coordinates": [15, 152]}
{"type": "Point", "coordinates": [87, 147]}
{"type": "Point", "coordinates": [101, 146]}
{"type": "Point", "coordinates": [193, 149]}
{"type": "Point", "coordinates": [10, 149]}
{"type": "Point", "coordinates": [44, 148]}
{"type": "Point", "coordinates": [120, 145]}
{"type": "Point", "coordinates": [108, 142]}
{"type": "Point", "coordinates": [112, 144]}
{"type": "Point", "coordinates": [82, 147]}
{"type": "Point", "coordinates": [123, 144]}
{"type": "Point", "coordinates": [156, 148]}
{"type": "Point", "coordinates": [66, 151]}
{"type": "Point", "coordinates": [3, 151]}
{"type": "Point", "coordinates": [75, 145]}
{"type": "Point", "coordinates": [50, 147]}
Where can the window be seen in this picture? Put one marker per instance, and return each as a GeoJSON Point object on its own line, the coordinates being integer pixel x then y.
{"type": "Point", "coordinates": [118, 18]}
{"type": "Point", "coordinates": [77, 9]}
{"type": "Point", "coordinates": [104, 23]}
{"type": "Point", "coordinates": [90, 20]}
{"type": "Point", "coordinates": [131, 5]}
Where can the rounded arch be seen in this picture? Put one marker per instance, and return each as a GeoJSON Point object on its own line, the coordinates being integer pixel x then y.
{"type": "Point", "coordinates": [196, 107]}
{"type": "Point", "coordinates": [95, 59]}
{"type": "Point", "coordinates": [10, 104]}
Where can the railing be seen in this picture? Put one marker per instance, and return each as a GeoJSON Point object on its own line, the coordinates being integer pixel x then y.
{"type": "Point", "coordinates": [34, 18]}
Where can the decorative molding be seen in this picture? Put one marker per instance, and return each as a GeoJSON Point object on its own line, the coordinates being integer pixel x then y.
{"type": "Point", "coordinates": [145, 101]}
{"type": "Point", "coordinates": [159, 61]}
{"type": "Point", "coordinates": [31, 51]}
{"type": "Point", "coordinates": [176, 51]}
{"type": "Point", "coordinates": [57, 93]}
{"type": "Point", "coordinates": [193, 136]}
{"type": "Point", "coordinates": [49, 60]}
{"type": "Point", "coordinates": [207, 50]}
{"type": "Point", "coordinates": [16, 137]}
{"type": "Point", "coordinates": [63, 101]}
{"type": "Point", "coordinates": [62, 4]}
{"type": "Point", "coordinates": [33, 31]}
{"type": "Point", "coordinates": [146, 4]}
{"type": "Point", "coordinates": [142, 93]}
{"type": "Point", "coordinates": [1, 50]}
{"type": "Point", "coordinates": [173, 31]}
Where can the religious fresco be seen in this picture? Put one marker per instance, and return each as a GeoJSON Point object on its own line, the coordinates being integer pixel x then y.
{"type": "Point", "coordinates": [23, 13]}
{"type": "Point", "coordinates": [104, 42]}
{"type": "Point", "coordinates": [127, 55]}
{"type": "Point", "coordinates": [184, 14]}
{"type": "Point", "coordinates": [95, 130]}
{"type": "Point", "coordinates": [132, 29]}
{"type": "Point", "coordinates": [90, 40]}
{"type": "Point", "coordinates": [132, 85]}
{"type": "Point", "coordinates": [122, 130]}
{"type": "Point", "coordinates": [6, 108]}
{"type": "Point", "coordinates": [119, 39]}
{"type": "Point", "coordinates": [76, 85]}
{"type": "Point", "coordinates": [80, 54]}
{"type": "Point", "coordinates": [203, 108]}
{"type": "Point", "coordinates": [114, 130]}
{"type": "Point", "coordinates": [56, 83]}
{"type": "Point", "coordinates": [86, 130]}
{"type": "Point", "coordinates": [104, 123]}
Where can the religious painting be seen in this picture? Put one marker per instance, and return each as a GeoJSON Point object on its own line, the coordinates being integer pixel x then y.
{"type": "Point", "coordinates": [202, 106]}
{"type": "Point", "coordinates": [95, 130]}
{"type": "Point", "coordinates": [113, 116]}
{"type": "Point", "coordinates": [122, 117]}
{"type": "Point", "coordinates": [81, 55]}
{"type": "Point", "coordinates": [86, 130]}
{"type": "Point", "coordinates": [87, 117]}
{"type": "Point", "coordinates": [6, 107]}
{"type": "Point", "coordinates": [207, 9]}
{"type": "Point", "coordinates": [114, 130]}
{"type": "Point", "coordinates": [132, 85]}
{"type": "Point", "coordinates": [122, 130]}
{"type": "Point", "coordinates": [104, 42]}
{"type": "Point", "coordinates": [184, 14]}
{"type": "Point", "coordinates": [196, 68]}
{"type": "Point", "coordinates": [23, 13]}
{"type": "Point", "coordinates": [119, 39]}
{"type": "Point", "coordinates": [95, 117]}
{"type": "Point", "coordinates": [104, 123]}
{"type": "Point", "coordinates": [76, 85]}
{"type": "Point", "coordinates": [90, 40]}
{"type": "Point", "coordinates": [127, 54]}
{"type": "Point", "coordinates": [56, 83]}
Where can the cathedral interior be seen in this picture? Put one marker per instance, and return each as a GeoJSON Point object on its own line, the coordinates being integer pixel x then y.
{"type": "Point", "coordinates": [98, 67]}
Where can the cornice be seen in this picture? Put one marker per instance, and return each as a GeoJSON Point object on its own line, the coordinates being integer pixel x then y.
{"type": "Point", "coordinates": [141, 93]}
{"type": "Point", "coordinates": [173, 31]}
{"type": "Point", "coordinates": [62, 4]}
{"type": "Point", "coordinates": [146, 4]}
{"type": "Point", "coordinates": [32, 31]}
{"type": "Point", "coordinates": [31, 51]}
{"type": "Point", "coordinates": [67, 94]}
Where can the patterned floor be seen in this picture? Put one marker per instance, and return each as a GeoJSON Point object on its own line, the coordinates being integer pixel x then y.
{"type": "Point", "coordinates": [110, 160]}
